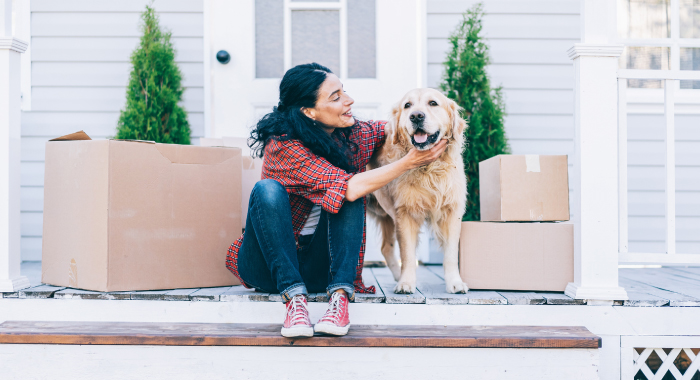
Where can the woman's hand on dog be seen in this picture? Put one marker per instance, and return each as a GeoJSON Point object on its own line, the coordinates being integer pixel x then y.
{"type": "Point", "coordinates": [417, 158]}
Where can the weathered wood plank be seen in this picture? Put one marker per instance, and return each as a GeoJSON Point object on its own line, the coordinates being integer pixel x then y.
{"type": "Point", "coordinates": [473, 297]}
{"type": "Point", "coordinates": [225, 334]}
{"type": "Point", "coordinates": [387, 283]}
{"type": "Point", "coordinates": [163, 295]}
{"type": "Point", "coordinates": [317, 297]}
{"type": "Point", "coordinates": [661, 280]}
{"type": "Point", "coordinates": [208, 294]}
{"type": "Point", "coordinates": [523, 298]}
{"type": "Point", "coordinates": [560, 299]}
{"type": "Point", "coordinates": [239, 293]}
{"type": "Point", "coordinates": [369, 280]}
{"type": "Point", "coordinates": [70, 293]}
{"type": "Point", "coordinates": [433, 288]}
{"type": "Point", "coordinates": [40, 291]}
{"type": "Point", "coordinates": [674, 299]}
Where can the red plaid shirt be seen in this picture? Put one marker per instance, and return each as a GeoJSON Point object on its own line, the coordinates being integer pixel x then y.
{"type": "Point", "coordinates": [310, 179]}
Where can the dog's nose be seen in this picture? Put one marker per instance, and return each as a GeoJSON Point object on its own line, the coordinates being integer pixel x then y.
{"type": "Point", "coordinates": [417, 116]}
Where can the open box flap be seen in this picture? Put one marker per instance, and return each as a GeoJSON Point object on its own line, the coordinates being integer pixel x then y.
{"type": "Point", "coordinates": [80, 135]}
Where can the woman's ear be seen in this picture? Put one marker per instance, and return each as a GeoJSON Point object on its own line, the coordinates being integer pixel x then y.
{"type": "Point", "coordinates": [308, 112]}
{"type": "Point", "coordinates": [394, 121]}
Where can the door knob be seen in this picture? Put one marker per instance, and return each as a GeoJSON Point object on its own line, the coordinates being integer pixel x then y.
{"type": "Point", "coordinates": [223, 57]}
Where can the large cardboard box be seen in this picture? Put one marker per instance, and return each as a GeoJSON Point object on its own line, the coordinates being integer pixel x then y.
{"type": "Point", "coordinates": [127, 215]}
{"type": "Point", "coordinates": [517, 256]}
{"type": "Point", "coordinates": [524, 188]}
{"type": "Point", "coordinates": [251, 166]}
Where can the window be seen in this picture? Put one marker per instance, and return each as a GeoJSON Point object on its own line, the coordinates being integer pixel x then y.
{"type": "Point", "coordinates": [660, 35]}
{"type": "Point", "coordinates": [339, 34]}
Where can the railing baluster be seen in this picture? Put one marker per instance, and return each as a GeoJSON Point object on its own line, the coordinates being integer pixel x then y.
{"type": "Point", "coordinates": [670, 165]}
{"type": "Point", "coordinates": [622, 164]}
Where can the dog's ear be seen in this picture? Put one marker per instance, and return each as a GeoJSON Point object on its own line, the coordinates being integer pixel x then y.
{"type": "Point", "coordinates": [395, 118]}
{"type": "Point", "coordinates": [458, 123]}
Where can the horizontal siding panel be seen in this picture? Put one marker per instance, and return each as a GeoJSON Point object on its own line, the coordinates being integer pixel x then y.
{"type": "Point", "coordinates": [112, 24]}
{"type": "Point", "coordinates": [539, 77]}
{"type": "Point", "coordinates": [32, 174]}
{"type": "Point", "coordinates": [101, 74]}
{"type": "Point", "coordinates": [48, 125]}
{"type": "Point", "coordinates": [108, 99]}
{"type": "Point", "coordinates": [540, 127]}
{"type": "Point", "coordinates": [651, 127]}
{"type": "Point", "coordinates": [653, 178]}
{"type": "Point", "coordinates": [31, 224]}
{"type": "Point", "coordinates": [568, 7]}
{"type": "Point", "coordinates": [115, 6]}
{"type": "Point", "coordinates": [32, 199]}
{"type": "Point", "coordinates": [654, 153]}
{"type": "Point", "coordinates": [34, 148]}
{"type": "Point", "coordinates": [31, 248]}
{"type": "Point", "coordinates": [510, 26]}
{"type": "Point", "coordinates": [106, 49]}
{"type": "Point", "coordinates": [653, 229]}
{"type": "Point", "coordinates": [539, 102]}
{"type": "Point", "coordinates": [565, 147]}
{"type": "Point", "coordinates": [511, 51]}
{"type": "Point", "coordinates": [648, 203]}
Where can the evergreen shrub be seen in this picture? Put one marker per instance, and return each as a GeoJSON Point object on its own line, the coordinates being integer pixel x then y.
{"type": "Point", "coordinates": [155, 88]}
{"type": "Point", "coordinates": [466, 82]}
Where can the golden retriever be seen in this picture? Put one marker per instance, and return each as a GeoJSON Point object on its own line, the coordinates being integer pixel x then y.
{"type": "Point", "coordinates": [436, 192]}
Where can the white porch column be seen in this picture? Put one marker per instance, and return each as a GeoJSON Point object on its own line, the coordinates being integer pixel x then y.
{"type": "Point", "coordinates": [595, 174]}
{"type": "Point", "coordinates": [10, 102]}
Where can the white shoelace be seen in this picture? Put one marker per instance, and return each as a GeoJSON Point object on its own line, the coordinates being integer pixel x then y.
{"type": "Point", "coordinates": [333, 313]}
{"type": "Point", "coordinates": [297, 311]}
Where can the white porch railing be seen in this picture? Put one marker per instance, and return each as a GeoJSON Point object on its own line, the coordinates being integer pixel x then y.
{"type": "Point", "coordinates": [671, 257]}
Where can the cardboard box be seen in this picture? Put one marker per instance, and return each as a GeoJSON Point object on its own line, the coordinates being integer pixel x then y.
{"type": "Point", "coordinates": [252, 167]}
{"type": "Point", "coordinates": [524, 188]}
{"type": "Point", "coordinates": [128, 215]}
{"type": "Point", "coordinates": [517, 256]}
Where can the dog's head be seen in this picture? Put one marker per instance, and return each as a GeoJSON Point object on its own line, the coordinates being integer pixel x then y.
{"type": "Point", "coordinates": [425, 116]}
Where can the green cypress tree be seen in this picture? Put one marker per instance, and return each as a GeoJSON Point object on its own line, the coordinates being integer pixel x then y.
{"type": "Point", "coordinates": [466, 82]}
{"type": "Point", "coordinates": [152, 111]}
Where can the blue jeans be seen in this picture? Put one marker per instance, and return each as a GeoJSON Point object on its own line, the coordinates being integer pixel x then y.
{"type": "Point", "coordinates": [269, 261]}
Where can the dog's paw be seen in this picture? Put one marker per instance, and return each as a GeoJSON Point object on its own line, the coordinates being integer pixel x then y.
{"type": "Point", "coordinates": [456, 286]}
{"type": "Point", "coordinates": [405, 287]}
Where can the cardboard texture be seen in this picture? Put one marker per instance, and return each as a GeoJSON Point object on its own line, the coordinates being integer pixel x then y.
{"type": "Point", "coordinates": [517, 256]}
{"type": "Point", "coordinates": [252, 167]}
{"type": "Point", "coordinates": [524, 188]}
{"type": "Point", "coordinates": [124, 215]}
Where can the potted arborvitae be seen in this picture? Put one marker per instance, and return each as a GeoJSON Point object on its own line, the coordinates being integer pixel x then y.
{"type": "Point", "coordinates": [466, 82]}
{"type": "Point", "coordinates": [155, 88]}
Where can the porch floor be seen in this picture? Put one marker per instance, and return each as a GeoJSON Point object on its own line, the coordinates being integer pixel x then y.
{"type": "Point", "coordinates": [650, 287]}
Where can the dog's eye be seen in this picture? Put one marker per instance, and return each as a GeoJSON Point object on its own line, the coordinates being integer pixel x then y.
{"type": "Point", "coordinates": [407, 105]}
{"type": "Point", "coordinates": [433, 103]}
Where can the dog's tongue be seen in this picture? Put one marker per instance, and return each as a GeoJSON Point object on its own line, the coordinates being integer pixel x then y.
{"type": "Point", "coordinates": [420, 137]}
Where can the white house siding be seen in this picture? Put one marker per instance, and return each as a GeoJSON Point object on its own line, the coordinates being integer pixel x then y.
{"type": "Point", "coordinates": [80, 69]}
{"type": "Point", "coordinates": [528, 40]}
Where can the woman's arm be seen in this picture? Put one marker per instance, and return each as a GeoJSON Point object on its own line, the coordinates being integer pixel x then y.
{"type": "Point", "coordinates": [362, 184]}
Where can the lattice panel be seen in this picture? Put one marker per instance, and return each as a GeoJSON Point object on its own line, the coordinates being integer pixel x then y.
{"type": "Point", "coordinates": [666, 364]}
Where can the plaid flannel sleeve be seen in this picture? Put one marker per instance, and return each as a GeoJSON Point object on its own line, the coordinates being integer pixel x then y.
{"type": "Point", "coordinates": [312, 177]}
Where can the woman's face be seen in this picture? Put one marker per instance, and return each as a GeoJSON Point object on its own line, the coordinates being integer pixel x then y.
{"type": "Point", "coordinates": [333, 106]}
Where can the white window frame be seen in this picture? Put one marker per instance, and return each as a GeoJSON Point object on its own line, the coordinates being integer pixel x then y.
{"type": "Point", "coordinates": [341, 6]}
{"type": "Point", "coordinates": [675, 43]}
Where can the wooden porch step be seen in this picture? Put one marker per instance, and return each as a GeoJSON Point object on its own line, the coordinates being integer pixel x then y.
{"type": "Point", "coordinates": [233, 334]}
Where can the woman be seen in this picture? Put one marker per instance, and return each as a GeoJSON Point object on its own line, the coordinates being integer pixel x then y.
{"type": "Point", "coordinates": [305, 229]}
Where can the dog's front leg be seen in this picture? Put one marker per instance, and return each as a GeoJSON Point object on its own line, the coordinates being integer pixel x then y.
{"type": "Point", "coordinates": [450, 227]}
{"type": "Point", "coordinates": [407, 229]}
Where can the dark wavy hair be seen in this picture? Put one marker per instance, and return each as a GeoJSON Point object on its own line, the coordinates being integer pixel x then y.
{"type": "Point", "coordinates": [299, 89]}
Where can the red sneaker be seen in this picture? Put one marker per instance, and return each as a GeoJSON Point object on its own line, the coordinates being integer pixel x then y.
{"type": "Point", "coordinates": [297, 323]}
{"type": "Point", "coordinates": [336, 321]}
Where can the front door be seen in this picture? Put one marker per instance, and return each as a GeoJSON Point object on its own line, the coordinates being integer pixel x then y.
{"type": "Point", "coordinates": [376, 47]}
